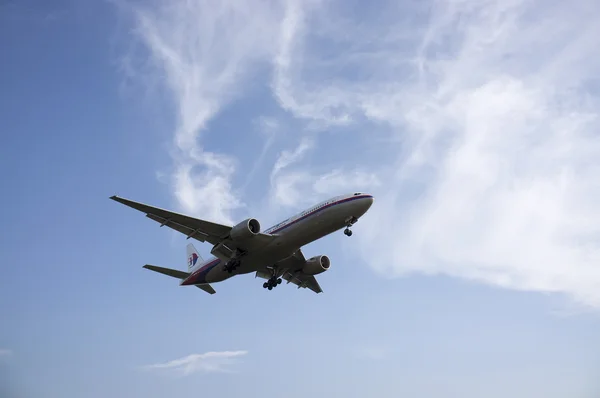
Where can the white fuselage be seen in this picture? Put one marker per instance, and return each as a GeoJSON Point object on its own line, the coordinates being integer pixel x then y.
{"type": "Point", "coordinates": [303, 228]}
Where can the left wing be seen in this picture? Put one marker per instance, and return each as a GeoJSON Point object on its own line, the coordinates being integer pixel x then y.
{"type": "Point", "coordinates": [293, 272]}
{"type": "Point", "coordinates": [201, 230]}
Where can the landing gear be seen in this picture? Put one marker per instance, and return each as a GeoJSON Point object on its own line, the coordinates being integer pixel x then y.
{"type": "Point", "coordinates": [350, 222]}
{"type": "Point", "coordinates": [231, 265]}
{"type": "Point", "coordinates": [271, 283]}
{"type": "Point", "coordinates": [234, 262]}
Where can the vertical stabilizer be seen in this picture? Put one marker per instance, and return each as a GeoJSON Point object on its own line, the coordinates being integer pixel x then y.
{"type": "Point", "coordinates": [193, 257]}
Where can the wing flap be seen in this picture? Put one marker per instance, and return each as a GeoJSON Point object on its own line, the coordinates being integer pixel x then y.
{"type": "Point", "coordinates": [303, 280]}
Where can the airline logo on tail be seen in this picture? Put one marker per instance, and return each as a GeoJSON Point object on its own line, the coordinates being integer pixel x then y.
{"type": "Point", "coordinates": [192, 259]}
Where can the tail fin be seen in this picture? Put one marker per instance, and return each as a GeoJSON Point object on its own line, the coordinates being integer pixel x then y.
{"type": "Point", "coordinates": [193, 257]}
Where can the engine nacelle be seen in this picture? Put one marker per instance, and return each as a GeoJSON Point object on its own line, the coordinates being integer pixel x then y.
{"type": "Point", "coordinates": [316, 265]}
{"type": "Point", "coordinates": [245, 230]}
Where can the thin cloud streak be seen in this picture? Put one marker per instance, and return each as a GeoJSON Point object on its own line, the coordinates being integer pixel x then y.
{"type": "Point", "coordinates": [197, 363]}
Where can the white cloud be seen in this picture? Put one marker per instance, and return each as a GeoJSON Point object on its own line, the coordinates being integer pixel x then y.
{"type": "Point", "coordinates": [341, 181]}
{"type": "Point", "coordinates": [207, 362]}
{"type": "Point", "coordinates": [496, 106]}
{"type": "Point", "coordinates": [204, 51]}
{"type": "Point", "coordinates": [269, 128]}
{"type": "Point", "coordinates": [487, 113]}
{"type": "Point", "coordinates": [302, 185]}
{"type": "Point", "coordinates": [287, 158]}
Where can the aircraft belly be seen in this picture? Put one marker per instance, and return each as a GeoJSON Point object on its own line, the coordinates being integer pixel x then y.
{"type": "Point", "coordinates": [291, 239]}
{"type": "Point", "coordinates": [249, 264]}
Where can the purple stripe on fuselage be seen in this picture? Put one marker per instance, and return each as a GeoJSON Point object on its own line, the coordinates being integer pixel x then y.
{"type": "Point", "coordinates": [199, 275]}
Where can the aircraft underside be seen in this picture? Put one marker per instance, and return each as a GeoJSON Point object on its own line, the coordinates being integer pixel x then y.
{"type": "Point", "coordinates": [274, 255]}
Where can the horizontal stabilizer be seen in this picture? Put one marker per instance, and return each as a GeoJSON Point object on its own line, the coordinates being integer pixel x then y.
{"type": "Point", "coordinates": [167, 271]}
{"type": "Point", "coordinates": [207, 288]}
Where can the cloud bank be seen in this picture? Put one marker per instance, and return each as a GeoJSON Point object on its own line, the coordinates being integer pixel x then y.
{"type": "Point", "coordinates": [474, 123]}
{"type": "Point", "coordinates": [194, 363]}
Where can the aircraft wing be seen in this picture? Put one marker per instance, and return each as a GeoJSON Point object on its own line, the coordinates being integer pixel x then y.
{"type": "Point", "coordinates": [306, 281]}
{"type": "Point", "coordinates": [201, 230]}
{"type": "Point", "coordinates": [293, 274]}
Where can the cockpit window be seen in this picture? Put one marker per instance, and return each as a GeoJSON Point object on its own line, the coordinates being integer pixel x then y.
{"type": "Point", "coordinates": [357, 193]}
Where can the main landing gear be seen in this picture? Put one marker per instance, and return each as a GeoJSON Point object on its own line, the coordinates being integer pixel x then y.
{"type": "Point", "coordinates": [350, 222]}
{"type": "Point", "coordinates": [271, 283]}
{"type": "Point", "coordinates": [274, 280]}
{"type": "Point", "coordinates": [234, 262]}
{"type": "Point", "coordinates": [231, 265]}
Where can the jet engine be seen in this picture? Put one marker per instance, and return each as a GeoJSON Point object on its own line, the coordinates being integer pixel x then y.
{"type": "Point", "coordinates": [316, 265]}
{"type": "Point", "coordinates": [245, 230]}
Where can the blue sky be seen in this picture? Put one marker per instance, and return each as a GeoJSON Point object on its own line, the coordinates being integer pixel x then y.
{"type": "Point", "coordinates": [474, 124]}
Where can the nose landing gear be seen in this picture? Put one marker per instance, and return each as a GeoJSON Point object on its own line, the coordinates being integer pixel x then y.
{"type": "Point", "coordinates": [350, 222]}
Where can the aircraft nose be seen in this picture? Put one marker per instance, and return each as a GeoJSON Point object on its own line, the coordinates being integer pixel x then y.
{"type": "Point", "coordinates": [368, 202]}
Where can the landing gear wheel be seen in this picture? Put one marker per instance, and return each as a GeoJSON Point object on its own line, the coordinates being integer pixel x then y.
{"type": "Point", "coordinates": [271, 283]}
{"type": "Point", "coordinates": [348, 232]}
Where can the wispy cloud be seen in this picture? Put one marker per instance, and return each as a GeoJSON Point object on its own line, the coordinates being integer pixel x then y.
{"type": "Point", "coordinates": [204, 51]}
{"type": "Point", "coordinates": [488, 111]}
{"type": "Point", "coordinates": [268, 128]}
{"type": "Point", "coordinates": [304, 184]}
{"type": "Point", "coordinates": [207, 362]}
{"type": "Point", "coordinates": [5, 352]}
{"type": "Point", "coordinates": [493, 110]}
{"type": "Point", "coordinates": [286, 184]}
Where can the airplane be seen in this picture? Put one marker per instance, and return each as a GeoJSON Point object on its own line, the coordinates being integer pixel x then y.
{"type": "Point", "coordinates": [272, 254]}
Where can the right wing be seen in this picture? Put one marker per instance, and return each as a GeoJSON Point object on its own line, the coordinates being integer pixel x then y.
{"type": "Point", "coordinates": [302, 280]}
{"type": "Point", "coordinates": [293, 274]}
{"type": "Point", "coordinates": [201, 230]}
